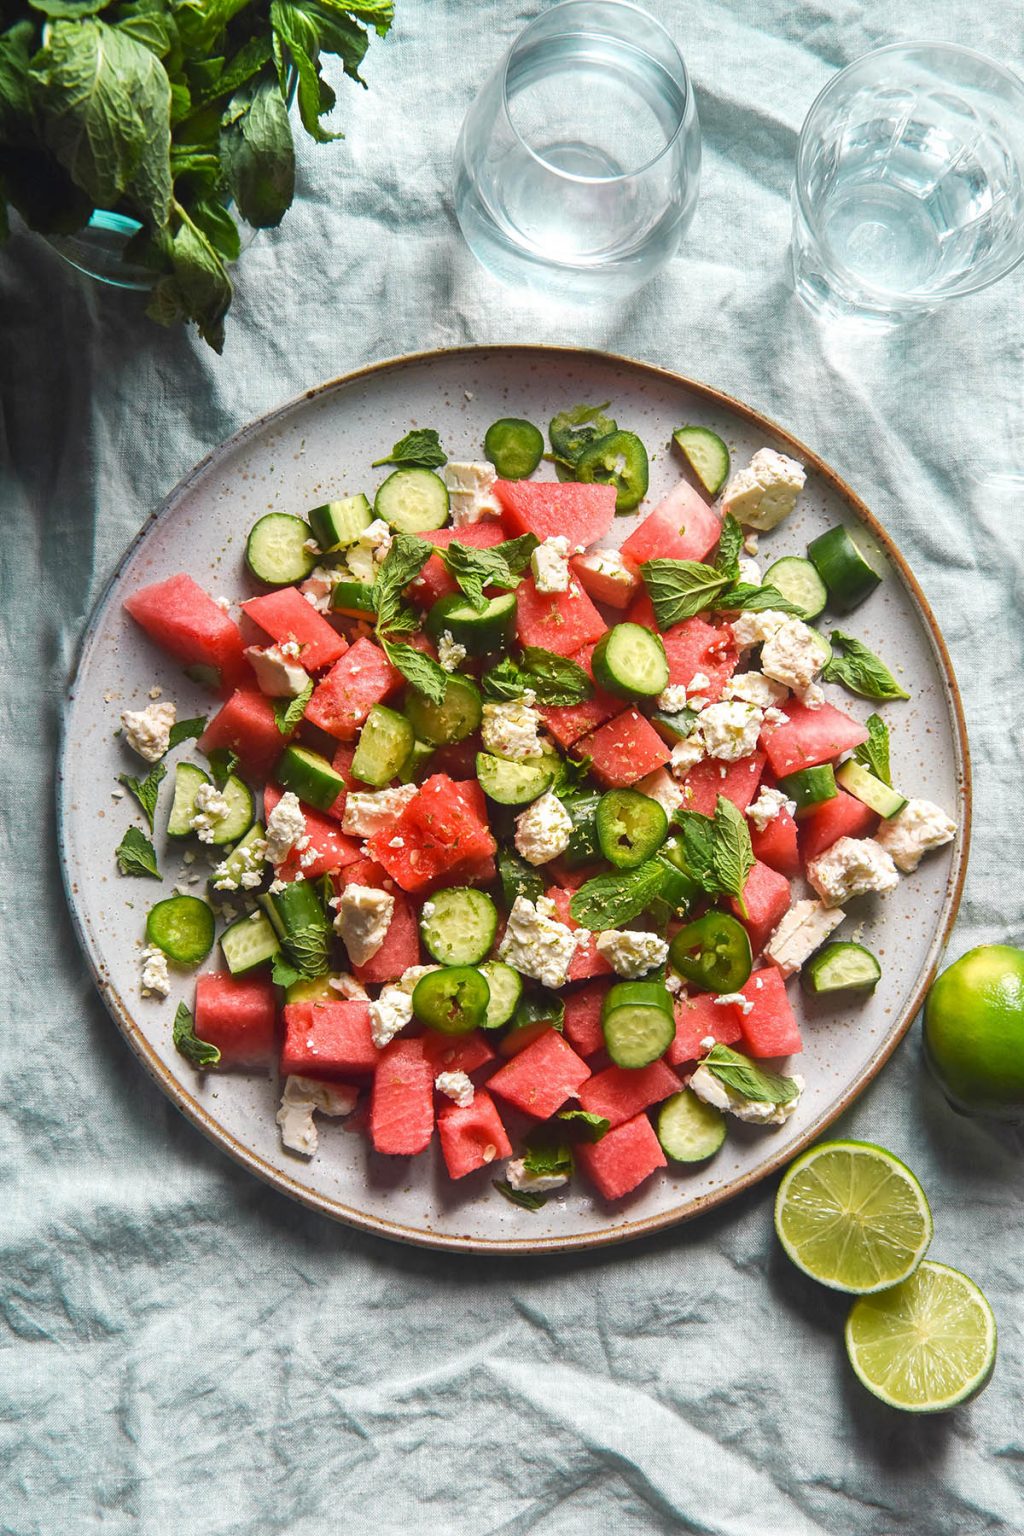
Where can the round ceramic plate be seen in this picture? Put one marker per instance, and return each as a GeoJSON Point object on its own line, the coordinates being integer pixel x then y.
{"type": "Point", "coordinates": [321, 446]}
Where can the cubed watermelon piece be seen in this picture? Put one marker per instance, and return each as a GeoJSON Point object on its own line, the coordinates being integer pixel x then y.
{"type": "Point", "coordinates": [737, 781]}
{"type": "Point", "coordinates": [603, 588]}
{"type": "Point", "coordinates": [844, 816]}
{"type": "Point", "coordinates": [694, 647]}
{"type": "Point", "coordinates": [618, 1094]}
{"type": "Point", "coordinates": [568, 722]}
{"type": "Point", "coordinates": [328, 848]}
{"type": "Point", "coordinates": [580, 513]}
{"type": "Point", "coordinates": [563, 622]}
{"type": "Point", "coordinates": [247, 726]}
{"type": "Point", "coordinates": [540, 1079]}
{"type": "Point", "coordinates": [362, 678]}
{"type": "Point", "coordinates": [583, 1017]}
{"type": "Point", "coordinates": [473, 1137]}
{"type": "Point", "coordinates": [237, 1014]}
{"type": "Point", "coordinates": [681, 527]}
{"type": "Point", "coordinates": [402, 1102]}
{"type": "Point", "coordinates": [328, 1039]}
{"type": "Point", "coordinates": [586, 962]}
{"type": "Point", "coordinates": [187, 623]}
{"type": "Point", "coordinates": [364, 872]}
{"type": "Point", "coordinates": [641, 611]}
{"type": "Point", "coordinates": [400, 949]}
{"type": "Point", "coordinates": [776, 846]}
{"type": "Point", "coordinates": [770, 1028]}
{"type": "Point", "coordinates": [767, 898]}
{"type": "Point", "coordinates": [433, 581]}
{"type": "Point", "coordinates": [285, 616]}
{"type": "Point", "coordinates": [623, 1159]}
{"type": "Point", "coordinates": [812, 736]}
{"type": "Point", "coordinates": [457, 1053]}
{"type": "Point", "coordinates": [624, 750]}
{"type": "Point", "coordinates": [441, 829]}
{"type": "Point", "coordinates": [699, 1017]}
{"type": "Point", "coordinates": [342, 763]}
{"type": "Point", "coordinates": [457, 758]}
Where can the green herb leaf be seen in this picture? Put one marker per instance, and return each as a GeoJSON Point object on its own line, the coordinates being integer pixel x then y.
{"type": "Point", "coordinates": [556, 680]}
{"type": "Point", "coordinates": [258, 153]}
{"type": "Point", "coordinates": [199, 1052]}
{"type": "Point", "coordinates": [185, 730]}
{"type": "Point", "coordinates": [282, 973]}
{"type": "Point", "coordinates": [402, 564]}
{"type": "Point", "coordinates": [741, 1075]}
{"type": "Point", "coordinates": [501, 566]}
{"type": "Point", "coordinates": [223, 763]}
{"type": "Point", "coordinates": [545, 1157]}
{"type": "Point", "coordinates": [308, 949]}
{"type": "Point", "coordinates": [608, 901]}
{"type": "Point", "coordinates": [742, 596]}
{"type": "Point", "coordinates": [288, 713]}
{"type": "Point", "coordinates": [147, 790]}
{"type": "Point", "coordinates": [539, 1006]}
{"type": "Point", "coordinates": [874, 753]}
{"type": "Point", "coordinates": [727, 557]}
{"type": "Point", "coordinates": [505, 681]}
{"type": "Point", "coordinates": [860, 670]}
{"type": "Point", "coordinates": [136, 855]}
{"type": "Point", "coordinates": [297, 45]}
{"type": "Point", "coordinates": [423, 672]}
{"type": "Point", "coordinates": [583, 1123]}
{"type": "Point", "coordinates": [217, 225]}
{"type": "Point", "coordinates": [418, 449]}
{"type": "Point", "coordinates": [732, 855]}
{"type": "Point", "coordinates": [572, 774]}
{"type": "Point", "coordinates": [527, 1198]}
{"type": "Point", "coordinates": [679, 589]}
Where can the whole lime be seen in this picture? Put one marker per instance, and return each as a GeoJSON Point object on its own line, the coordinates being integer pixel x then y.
{"type": "Point", "coordinates": [974, 1031]}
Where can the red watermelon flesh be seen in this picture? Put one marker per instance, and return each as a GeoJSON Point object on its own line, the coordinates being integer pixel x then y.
{"type": "Point", "coordinates": [342, 763]}
{"type": "Point", "coordinates": [568, 722]}
{"type": "Point", "coordinates": [812, 736]}
{"type": "Point", "coordinates": [562, 622]}
{"type": "Point", "coordinates": [457, 758]}
{"type": "Point", "coordinates": [285, 616]}
{"type": "Point", "coordinates": [603, 589]}
{"type": "Point", "coordinates": [473, 1137]}
{"type": "Point", "coordinates": [770, 1028]}
{"type": "Point", "coordinates": [402, 1102]}
{"type": "Point", "coordinates": [681, 527]}
{"type": "Point", "coordinates": [699, 1017]}
{"type": "Point", "coordinates": [362, 678]}
{"type": "Point", "coordinates": [776, 846]}
{"type": "Point", "coordinates": [328, 1039]}
{"type": "Point", "coordinates": [586, 962]}
{"type": "Point", "coordinates": [247, 726]}
{"type": "Point", "coordinates": [237, 1014]}
{"type": "Point", "coordinates": [583, 1017]}
{"type": "Point", "coordinates": [641, 611]}
{"type": "Point", "coordinates": [364, 872]}
{"type": "Point", "coordinates": [433, 581]}
{"type": "Point", "coordinates": [767, 898]}
{"type": "Point", "coordinates": [737, 781]}
{"type": "Point", "coordinates": [456, 1053]}
{"type": "Point", "coordinates": [580, 513]}
{"type": "Point", "coordinates": [624, 750]}
{"type": "Point", "coordinates": [540, 1079]}
{"type": "Point", "coordinates": [440, 830]}
{"type": "Point", "coordinates": [843, 816]}
{"type": "Point", "coordinates": [618, 1094]}
{"type": "Point", "coordinates": [623, 1159]}
{"type": "Point", "coordinates": [187, 623]}
{"type": "Point", "coordinates": [400, 949]}
{"type": "Point", "coordinates": [328, 848]}
{"type": "Point", "coordinates": [694, 647]}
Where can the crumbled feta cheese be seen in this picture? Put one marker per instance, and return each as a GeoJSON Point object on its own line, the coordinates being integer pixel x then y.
{"type": "Point", "coordinates": [769, 804]}
{"type": "Point", "coordinates": [550, 565]}
{"type": "Point", "coordinates": [155, 979]}
{"type": "Point", "coordinates": [311, 547]}
{"type": "Point", "coordinates": [455, 1086]}
{"type": "Point", "coordinates": [317, 588]}
{"type": "Point", "coordinates": [913, 832]}
{"type": "Point", "coordinates": [510, 730]}
{"type": "Point", "coordinates": [277, 674]}
{"type": "Point", "coordinates": [365, 557]}
{"type": "Point", "coordinates": [117, 794]}
{"type": "Point", "coordinates": [471, 492]}
{"type": "Point", "coordinates": [708, 1087]}
{"type": "Point", "coordinates": [793, 655]}
{"type": "Point", "coordinates": [750, 543]}
{"type": "Point", "coordinates": [659, 786]}
{"type": "Point", "coordinates": [347, 987]}
{"type": "Point", "coordinates": [275, 886]}
{"type": "Point", "coordinates": [755, 688]}
{"type": "Point", "coordinates": [303, 1095]}
{"type": "Point", "coordinates": [852, 867]}
{"type": "Point", "coordinates": [764, 493]}
{"type": "Point", "coordinates": [362, 919]}
{"type": "Point", "coordinates": [611, 569]}
{"type": "Point", "coordinates": [148, 731]}
{"type": "Point", "coordinates": [413, 974]}
{"type": "Point", "coordinates": [518, 1176]}
{"type": "Point", "coordinates": [223, 603]}
{"type": "Point", "coordinates": [631, 953]}
{"type": "Point", "coordinates": [156, 692]}
{"type": "Point", "coordinates": [775, 716]}
{"type": "Point", "coordinates": [211, 807]}
{"type": "Point", "coordinates": [730, 730]}
{"type": "Point", "coordinates": [370, 811]}
{"type": "Point", "coordinates": [734, 1000]}
{"type": "Point", "coordinates": [389, 1014]}
{"type": "Point", "coordinates": [804, 928]}
{"type": "Point", "coordinates": [286, 828]}
{"type": "Point", "coordinates": [450, 653]}
{"type": "Point", "coordinates": [672, 700]}
{"type": "Point", "coordinates": [749, 571]}
{"type": "Point", "coordinates": [698, 682]}
{"type": "Point", "coordinates": [292, 649]}
{"type": "Point", "coordinates": [750, 629]}
{"type": "Point", "coordinates": [811, 697]}
{"type": "Point", "coordinates": [543, 830]}
{"type": "Point", "coordinates": [674, 984]}
{"type": "Point", "coordinates": [536, 944]}
{"type": "Point", "coordinates": [686, 754]}
{"type": "Point", "coordinates": [298, 1130]}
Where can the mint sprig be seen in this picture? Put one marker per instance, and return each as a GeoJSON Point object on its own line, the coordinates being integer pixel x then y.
{"type": "Point", "coordinates": [146, 791]}
{"type": "Point", "coordinates": [608, 901]}
{"type": "Point", "coordinates": [860, 670]}
{"type": "Point", "coordinates": [418, 449]}
{"type": "Point", "coordinates": [873, 754]}
{"type": "Point", "coordinates": [717, 850]}
{"type": "Point", "coordinates": [527, 1199]}
{"type": "Point", "coordinates": [425, 674]}
{"type": "Point", "coordinates": [185, 730]}
{"type": "Point", "coordinates": [742, 1075]}
{"type": "Point", "coordinates": [288, 713]}
{"type": "Point", "coordinates": [185, 1040]}
{"type": "Point", "coordinates": [500, 566]}
{"type": "Point", "coordinates": [136, 855]}
{"type": "Point", "coordinates": [680, 589]}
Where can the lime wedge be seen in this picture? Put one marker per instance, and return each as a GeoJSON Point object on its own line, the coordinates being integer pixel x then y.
{"type": "Point", "coordinates": [853, 1216]}
{"type": "Point", "coordinates": [926, 1344]}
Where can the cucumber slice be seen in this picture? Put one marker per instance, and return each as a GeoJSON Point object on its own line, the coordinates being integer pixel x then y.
{"type": "Point", "coordinates": [689, 1130]}
{"type": "Point", "coordinates": [453, 720]}
{"type": "Point", "coordinates": [318, 990]}
{"type": "Point", "coordinates": [275, 551]}
{"type": "Point", "coordinates": [841, 967]}
{"type": "Point", "coordinates": [181, 926]}
{"type": "Point", "coordinates": [630, 661]}
{"type": "Point", "coordinates": [296, 914]}
{"type": "Point", "coordinates": [420, 754]}
{"type": "Point", "coordinates": [240, 816]}
{"type": "Point", "coordinates": [514, 447]}
{"type": "Point", "coordinates": [310, 776]}
{"type": "Point", "coordinates": [510, 783]}
{"type": "Point", "coordinates": [506, 987]}
{"type": "Point", "coordinates": [339, 523]}
{"type": "Point", "coordinates": [240, 861]}
{"type": "Point", "coordinates": [459, 925]}
{"type": "Point", "coordinates": [413, 501]}
{"type": "Point", "coordinates": [863, 786]}
{"type": "Point", "coordinates": [583, 846]}
{"type": "Point", "coordinates": [636, 1033]}
{"type": "Point", "coordinates": [248, 943]}
{"type": "Point", "coordinates": [799, 582]}
{"type": "Point", "coordinates": [353, 598]}
{"type": "Point", "coordinates": [809, 787]}
{"type": "Point", "coordinates": [620, 459]}
{"type": "Point", "coordinates": [706, 455]}
{"type": "Point", "coordinates": [843, 567]}
{"type": "Point", "coordinates": [385, 742]}
{"type": "Point", "coordinates": [517, 878]}
{"type": "Point", "coordinates": [631, 827]}
{"type": "Point", "coordinates": [187, 779]}
{"type": "Point", "coordinates": [481, 633]}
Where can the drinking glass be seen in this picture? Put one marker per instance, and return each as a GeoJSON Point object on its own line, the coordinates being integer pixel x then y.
{"type": "Point", "coordinates": [909, 183]}
{"type": "Point", "coordinates": [577, 167]}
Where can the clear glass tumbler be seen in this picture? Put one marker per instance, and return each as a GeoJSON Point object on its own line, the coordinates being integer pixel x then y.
{"type": "Point", "coordinates": [577, 167]}
{"type": "Point", "coordinates": [909, 183]}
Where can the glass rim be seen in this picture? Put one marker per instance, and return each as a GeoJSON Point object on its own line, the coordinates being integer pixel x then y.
{"type": "Point", "coordinates": [573, 176]}
{"type": "Point", "coordinates": [907, 46]}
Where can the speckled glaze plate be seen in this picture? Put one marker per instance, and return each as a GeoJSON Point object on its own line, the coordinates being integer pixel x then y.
{"type": "Point", "coordinates": [321, 446]}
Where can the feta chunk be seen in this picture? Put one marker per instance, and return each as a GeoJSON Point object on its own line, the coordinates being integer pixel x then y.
{"type": "Point", "coordinates": [156, 981]}
{"type": "Point", "coordinates": [755, 688]}
{"type": "Point", "coordinates": [811, 697]}
{"type": "Point", "coordinates": [370, 811]}
{"type": "Point", "coordinates": [543, 830]}
{"type": "Point", "coordinates": [471, 492]}
{"type": "Point", "coordinates": [456, 1086]}
{"type": "Point", "coordinates": [148, 731]}
{"type": "Point", "coordinates": [510, 730]}
{"type": "Point", "coordinates": [793, 655]}
{"type": "Point", "coordinates": [659, 786]}
{"type": "Point", "coordinates": [415, 973]}
{"type": "Point", "coordinates": [211, 807]}
{"type": "Point", "coordinates": [734, 1000]}
{"type": "Point", "coordinates": [631, 953]}
{"type": "Point", "coordinates": [672, 700]}
{"type": "Point", "coordinates": [450, 653]}
{"type": "Point", "coordinates": [730, 730]}
{"type": "Point", "coordinates": [519, 1177]}
{"type": "Point", "coordinates": [769, 804]}
{"type": "Point", "coordinates": [804, 929]}
{"type": "Point", "coordinates": [277, 674]}
{"type": "Point", "coordinates": [764, 493]}
{"type": "Point", "coordinates": [852, 867]}
{"type": "Point", "coordinates": [362, 919]}
{"type": "Point", "coordinates": [348, 988]}
{"type": "Point", "coordinates": [913, 832]}
{"type": "Point", "coordinates": [389, 1014]}
{"type": "Point", "coordinates": [550, 565]}
{"type": "Point", "coordinates": [243, 869]}
{"type": "Point", "coordinates": [708, 1087]}
{"type": "Point", "coordinates": [365, 557]}
{"type": "Point", "coordinates": [609, 568]}
{"type": "Point", "coordinates": [303, 1095]}
{"type": "Point", "coordinates": [536, 944]}
{"type": "Point", "coordinates": [750, 629]}
{"type": "Point", "coordinates": [286, 828]}
{"type": "Point", "coordinates": [749, 571]}
{"type": "Point", "coordinates": [686, 754]}
{"type": "Point", "coordinates": [317, 588]}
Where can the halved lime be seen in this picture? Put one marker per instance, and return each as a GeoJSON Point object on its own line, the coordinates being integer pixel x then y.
{"type": "Point", "coordinates": [851, 1215]}
{"type": "Point", "coordinates": [926, 1344]}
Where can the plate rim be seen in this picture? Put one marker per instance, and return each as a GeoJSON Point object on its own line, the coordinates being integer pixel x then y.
{"type": "Point", "coordinates": [629, 1231]}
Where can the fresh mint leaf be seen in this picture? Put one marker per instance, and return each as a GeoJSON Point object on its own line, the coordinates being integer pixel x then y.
{"type": "Point", "coordinates": [231, 76]}
{"type": "Point", "coordinates": [423, 672]}
{"type": "Point", "coordinates": [527, 1198]}
{"type": "Point", "coordinates": [199, 1052]}
{"type": "Point", "coordinates": [873, 754]}
{"type": "Point", "coordinates": [556, 680]}
{"type": "Point", "coordinates": [223, 763]}
{"type": "Point", "coordinates": [185, 730]}
{"type": "Point", "coordinates": [307, 948]}
{"type": "Point", "coordinates": [402, 564]}
{"type": "Point", "coordinates": [540, 1007]}
{"type": "Point", "coordinates": [741, 1075]}
{"type": "Point", "coordinates": [136, 855]}
{"type": "Point", "coordinates": [297, 46]}
{"type": "Point", "coordinates": [698, 847]}
{"type": "Point", "coordinates": [418, 449]}
{"type": "Point", "coordinates": [727, 556]}
{"type": "Point", "coordinates": [258, 152]}
{"type": "Point", "coordinates": [572, 775]}
{"type": "Point", "coordinates": [283, 974]}
{"type": "Point", "coordinates": [860, 670]}
{"type": "Point", "coordinates": [199, 288]}
{"type": "Point", "coordinates": [217, 224]}
{"type": "Point", "coordinates": [609, 901]}
{"type": "Point", "coordinates": [732, 855]}
{"type": "Point", "coordinates": [584, 1124]}
{"type": "Point", "coordinates": [679, 589]}
{"type": "Point", "coordinates": [288, 713]}
{"type": "Point", "coordinates": [500, 566]}
{"type": "Point", "coordinates": [147, 790]}
{"type": "Point", "coordinates": [546, 1157]}
{"type": "Point", "coordinates": [743, 597]}
{"type": "Point", "coordinates": [505, 681]}
{"type": "Point", "coordinates": [69, 10]}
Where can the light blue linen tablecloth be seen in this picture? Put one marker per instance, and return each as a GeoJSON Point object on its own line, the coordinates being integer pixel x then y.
{"type": "Point", "coordinates": [185, 1351]}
